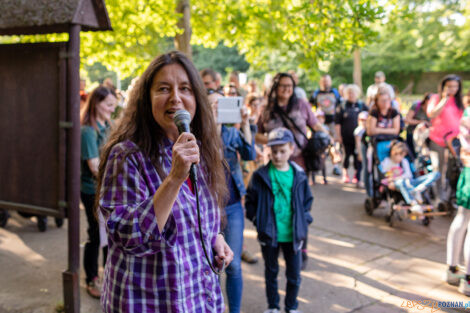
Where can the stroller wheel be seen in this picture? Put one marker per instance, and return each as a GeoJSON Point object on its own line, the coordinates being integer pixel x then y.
{"type": "Point", "coordinates": [59, 222]}
{"type": "Point", "coordinates": [369, 206]}
{"type": "Point", "coordinates": [4, 216]}
{"type": "Point", "coordinates": [42, 223]}
{"type": "Point", "coordinates": [426, 221]}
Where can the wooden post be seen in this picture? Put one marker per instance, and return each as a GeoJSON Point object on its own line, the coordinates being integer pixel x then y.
{"type": "Point", "coordinates": [71, 275]}
{"type": "Point", "coordinates": [183, 41]}
{"type": "Point", "coordinates": [357, 72]}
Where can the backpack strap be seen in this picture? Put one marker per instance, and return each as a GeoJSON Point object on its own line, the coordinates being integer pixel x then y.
{"type": "Point", "coordinates": [283, 115]}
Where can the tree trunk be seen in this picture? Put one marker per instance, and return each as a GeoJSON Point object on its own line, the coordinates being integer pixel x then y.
{"type": "Point", "coordinates": [182, 41]}
{"type": "Point", "coordinates": [357, 72]}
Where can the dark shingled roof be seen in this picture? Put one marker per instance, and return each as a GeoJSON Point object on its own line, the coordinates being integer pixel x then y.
{"type": "Point", "coordinates": [51, 16]}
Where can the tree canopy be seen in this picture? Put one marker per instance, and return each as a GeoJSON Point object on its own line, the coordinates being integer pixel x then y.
{"type": "Point", "coordinates": [305, 31]}
{"type": "Point", "coordinates": [426, 36]}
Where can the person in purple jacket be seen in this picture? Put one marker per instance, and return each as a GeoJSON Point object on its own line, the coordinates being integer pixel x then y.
{"type": "Point", "coordinates": [156, 261]}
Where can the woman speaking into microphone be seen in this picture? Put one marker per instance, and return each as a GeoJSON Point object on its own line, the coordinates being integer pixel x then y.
{"type": "Point", "coordinates": [156, 260]}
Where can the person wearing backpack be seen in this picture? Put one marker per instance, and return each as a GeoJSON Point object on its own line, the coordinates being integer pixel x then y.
{"type": "Point", "coordinates": [345, 123]}
{"type": "Point", "coordinates": [416, 115]}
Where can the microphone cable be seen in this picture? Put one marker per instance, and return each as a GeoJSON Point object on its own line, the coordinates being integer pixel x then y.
{"type": "Point", "coordinates": [217, 272]}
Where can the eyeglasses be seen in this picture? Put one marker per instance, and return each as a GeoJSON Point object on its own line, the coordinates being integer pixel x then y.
{"type": "Point", "coordinates": [286, 86]}
{"type": "Point", "coordinates": [211, 91]}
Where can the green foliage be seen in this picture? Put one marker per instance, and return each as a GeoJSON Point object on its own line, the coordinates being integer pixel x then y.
{"type": "Point", "coordinates": [269, 33]}
{"type": "Point", "coordinates": [423, 37]}
{"type": "Point", "coordinates": [219, 59]}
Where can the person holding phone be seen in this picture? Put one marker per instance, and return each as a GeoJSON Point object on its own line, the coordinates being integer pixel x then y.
{"type": "Point", "coordinates": [235, 142]}
{"type": "Point", "coordinates": [156, 261]}
{"type": "Point", "coordinates": [445, 111]}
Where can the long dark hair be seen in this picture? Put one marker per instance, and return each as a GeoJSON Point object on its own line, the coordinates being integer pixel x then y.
{"type": "Point", "coordinates": [273, 105]}
{"type": "Point", "coordinates": [88, 113]}
{"type": "Point", "coordinates": [458, 95]}
{"type": "Point", "coordinates": [138, 125]}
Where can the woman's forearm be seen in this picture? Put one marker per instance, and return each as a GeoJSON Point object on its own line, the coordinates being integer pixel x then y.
{"type": "Point", "coordinates": [245, 129]}
{"type": "Point", "coordinates": [164, 199]}
{"type": "Point", "coordinates": [433, 112]}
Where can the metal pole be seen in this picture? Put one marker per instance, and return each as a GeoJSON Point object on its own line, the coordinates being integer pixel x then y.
{"type": "Point", "coordinates": [71, 275]}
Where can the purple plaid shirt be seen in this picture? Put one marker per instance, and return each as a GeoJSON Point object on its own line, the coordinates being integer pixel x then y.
{"type": "Point", "coordinates": [148, 270]}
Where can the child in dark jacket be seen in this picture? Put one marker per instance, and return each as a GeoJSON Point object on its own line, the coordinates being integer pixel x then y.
{"type": "Point", "coordinates": [278, 202]}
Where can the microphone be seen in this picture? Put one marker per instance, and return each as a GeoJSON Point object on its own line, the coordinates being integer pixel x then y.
{"type": "Point", "coordinates": [182, 119]}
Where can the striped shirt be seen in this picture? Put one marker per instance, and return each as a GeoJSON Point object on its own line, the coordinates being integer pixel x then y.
{"type": "Point", "coordinates": [148, 270]}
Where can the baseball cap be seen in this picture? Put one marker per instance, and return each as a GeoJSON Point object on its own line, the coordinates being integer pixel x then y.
{"type": "Point", "coordinates": [280, 136]}
{"type": "Point", "coordinates": [379, 74]}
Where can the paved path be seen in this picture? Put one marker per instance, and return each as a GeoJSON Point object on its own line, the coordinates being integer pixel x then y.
{"type": "Point", "coordinates": [357, 263]}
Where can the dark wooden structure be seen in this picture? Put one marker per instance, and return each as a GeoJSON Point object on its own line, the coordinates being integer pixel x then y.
{"type": "Point", "coordinates": [39, 115]}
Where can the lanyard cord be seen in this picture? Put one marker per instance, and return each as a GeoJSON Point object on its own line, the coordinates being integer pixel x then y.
{"type": "Point", "coordinates": [217, 272]}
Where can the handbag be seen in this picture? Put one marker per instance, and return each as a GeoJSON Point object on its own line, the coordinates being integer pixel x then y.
{"type": "Point", "coordinates": [309, 152]}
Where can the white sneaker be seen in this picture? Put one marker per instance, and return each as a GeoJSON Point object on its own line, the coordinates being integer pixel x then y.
{"type": "Point", "coordinates": [452, 278]}
{"type": "Point", "coordinates": [416, 208]}
{"type": "Point", "coordinates": [295, 311]}
{"type": "Point", "coordinates": [464, 287]}
{"type": "Point", "coordinates": [272, 311]}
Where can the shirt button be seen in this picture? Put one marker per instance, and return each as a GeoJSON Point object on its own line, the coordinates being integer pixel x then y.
{"type": "Point", "coordinates": [209, 299]}
{"type": "Point", "coordinates": [206, 272]}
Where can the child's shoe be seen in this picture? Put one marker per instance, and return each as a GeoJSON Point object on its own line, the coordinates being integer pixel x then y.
{"type": "Point", "coordinates": [272, 311]}
{"type": "Point", "coordinates": [452, 278]}
{"type": "Point", "coordinates": [416, 208]}
{"type": "Point", "coordinates": [464, 287]}
{"type": "Point", "coordinates": [295, 311]}
{"type": "Point", "coordinates": [346, 178]}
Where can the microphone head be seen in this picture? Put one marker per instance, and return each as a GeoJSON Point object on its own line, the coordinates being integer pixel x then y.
{"type": "Point", "coordinates": [182, 119]}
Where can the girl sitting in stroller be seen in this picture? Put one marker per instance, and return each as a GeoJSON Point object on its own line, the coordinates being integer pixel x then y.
{"type": "Point", "coordinates": [399, 177]}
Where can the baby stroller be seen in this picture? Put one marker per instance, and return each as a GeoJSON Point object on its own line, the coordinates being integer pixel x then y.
{"type": "Point", "coordinates": [41, 219]}
{"type": "Point", "coordinates": [397, 209]}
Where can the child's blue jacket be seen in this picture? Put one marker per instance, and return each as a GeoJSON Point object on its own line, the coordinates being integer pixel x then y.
{"type": "Point", "coordinates": [259, 204]}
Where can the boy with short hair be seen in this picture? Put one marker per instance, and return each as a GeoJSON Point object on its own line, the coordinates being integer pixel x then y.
{"type": "Point", "coordinates": [278, 202]}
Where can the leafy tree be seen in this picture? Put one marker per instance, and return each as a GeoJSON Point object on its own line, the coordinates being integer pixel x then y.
{"type": "Point", "coordinates": [219, 58]}
{"type": "Point", "coordinates": [424, 37]}
{"type": "Point", "coordinates": [298, 30]}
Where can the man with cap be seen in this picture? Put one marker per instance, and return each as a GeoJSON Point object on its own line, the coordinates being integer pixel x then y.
{"type": "Point", "coordinates": [379, 81]}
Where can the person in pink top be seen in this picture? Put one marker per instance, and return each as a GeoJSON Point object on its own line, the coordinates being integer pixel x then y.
{"type": "Point", "coordinates": [445, 111]}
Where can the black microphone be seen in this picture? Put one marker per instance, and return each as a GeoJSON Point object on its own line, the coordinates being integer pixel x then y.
{"type": "Point", "coordinates": [182, 119]}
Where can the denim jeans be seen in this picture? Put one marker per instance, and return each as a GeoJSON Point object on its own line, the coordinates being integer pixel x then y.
{"type": "Point", "coordinates": [234, 237]}
{"type": "Point", "coordinates": [271, 268]}
{"type": "Point", "coordinates": [406, 186]}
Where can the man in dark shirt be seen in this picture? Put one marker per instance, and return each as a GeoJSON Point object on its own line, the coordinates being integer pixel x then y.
{"type": "Point", "coordinates": [326, 99]}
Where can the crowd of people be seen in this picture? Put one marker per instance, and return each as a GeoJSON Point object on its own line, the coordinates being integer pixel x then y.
{"type": "Point", "coordinates": [141, 204]}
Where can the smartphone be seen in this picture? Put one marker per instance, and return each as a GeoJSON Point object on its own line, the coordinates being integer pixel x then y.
{"type": "Point", "coordinates": [228, 110]}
